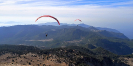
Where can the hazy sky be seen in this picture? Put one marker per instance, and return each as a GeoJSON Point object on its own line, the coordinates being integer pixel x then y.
{"type": "Point", "coordinates": [99, 13]}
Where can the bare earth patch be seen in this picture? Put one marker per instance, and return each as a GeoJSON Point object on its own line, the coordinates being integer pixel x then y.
{"type": "Point", "coordinates": [128, 61]}
{"type": "Point", "coordinates": [30, 59]}
{"type": "Point", "coordinates": [75, 41]}
{"type": "Point", "coordinates": [44, 40]}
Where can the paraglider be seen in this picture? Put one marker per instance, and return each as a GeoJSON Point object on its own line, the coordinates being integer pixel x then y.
{"type": "Point", "coordinates": [79, 20]}
{"type": "Point", "coordinates": [48, 16]}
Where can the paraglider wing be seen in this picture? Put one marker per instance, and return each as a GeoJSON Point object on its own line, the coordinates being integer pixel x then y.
{"type": "Point", "coordinates": [48, 16]}
{"type": "Point", "coordinates": [78, 19]}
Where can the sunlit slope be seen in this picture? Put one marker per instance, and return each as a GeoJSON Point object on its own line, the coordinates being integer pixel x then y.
{"type": "Point", "coordinates": [74, 55]}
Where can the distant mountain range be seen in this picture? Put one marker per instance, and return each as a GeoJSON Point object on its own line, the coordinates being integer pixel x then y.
{"type": "Point", "coordinates": [65, 35]}
{"type": "Point", "coordinates": [126, 32]}
{"type": "Point", "coordinates": [83, 25]}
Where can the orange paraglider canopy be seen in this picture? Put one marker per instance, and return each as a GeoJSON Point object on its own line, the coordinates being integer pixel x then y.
{"type": "Point", "coordinates": [48, 16]}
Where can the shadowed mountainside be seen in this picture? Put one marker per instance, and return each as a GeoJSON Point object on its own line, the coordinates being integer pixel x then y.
{"type": "Point", "coordinates": [59, 36]}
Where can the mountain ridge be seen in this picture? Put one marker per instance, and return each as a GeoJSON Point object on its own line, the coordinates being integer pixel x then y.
{"type": "Point", "coordinates": [82, 24]}
{"type": "Point", "coordinates": [58, 36]}
{"type": "Point", "coordinates": [73, 55]}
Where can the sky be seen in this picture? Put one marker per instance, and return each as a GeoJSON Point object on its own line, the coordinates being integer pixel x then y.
{"type": "Point", "coordinates": [115, 14]}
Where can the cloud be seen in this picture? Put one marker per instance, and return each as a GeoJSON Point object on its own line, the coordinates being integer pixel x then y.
{"type": "Point", "coordinates": [89, 12]}
{"type": "Point", "coordinates": [10, 22]}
